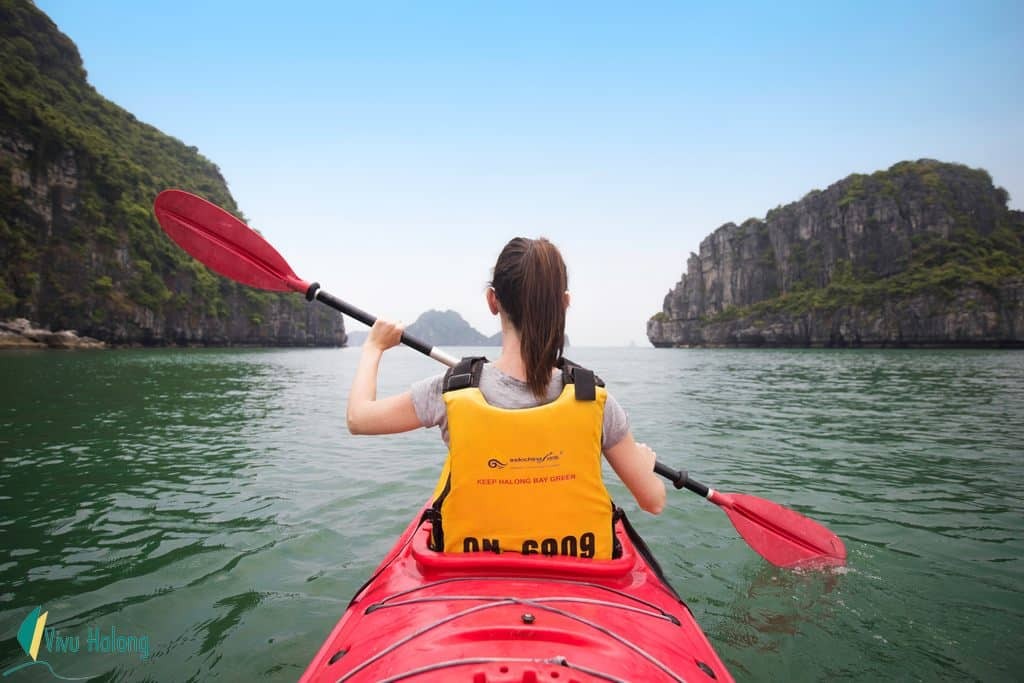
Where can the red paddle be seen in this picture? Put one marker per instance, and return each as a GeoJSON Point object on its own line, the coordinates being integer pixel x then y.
{"type": "Point", "coordinates": [780, 535]}
{"type": "Point", "coordinates": [228, 246]}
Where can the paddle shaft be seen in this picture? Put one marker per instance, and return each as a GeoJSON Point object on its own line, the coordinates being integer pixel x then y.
{"type": "Point", "coordinates": [679, 478]}
{"type": "Point", "coordinates": [315, 293]}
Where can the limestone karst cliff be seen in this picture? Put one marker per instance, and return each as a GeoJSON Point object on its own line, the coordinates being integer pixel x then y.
{"type": "Point", "coordinates": [922, 254]}
{"type": "Point", "coordinates": [79, 245]}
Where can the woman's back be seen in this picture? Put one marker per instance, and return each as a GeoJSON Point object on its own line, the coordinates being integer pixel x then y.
{"type": "Point", "coordinates": [526, 480]}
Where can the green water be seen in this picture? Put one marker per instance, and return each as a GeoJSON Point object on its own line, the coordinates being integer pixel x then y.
{"type": "Point", "coordinates": [213, 502]}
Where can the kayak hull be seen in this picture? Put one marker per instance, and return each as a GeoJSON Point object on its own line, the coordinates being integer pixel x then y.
{"type": "Point", "coordinates": [489, 618]}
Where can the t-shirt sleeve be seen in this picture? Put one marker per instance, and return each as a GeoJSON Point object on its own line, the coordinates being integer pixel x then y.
{"type": "Point", "coordinates": [427, 401]}
{"type": "Point", "coordinates": [616, 423]}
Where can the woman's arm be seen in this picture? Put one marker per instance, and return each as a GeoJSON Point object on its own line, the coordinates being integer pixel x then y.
{"type": "Point", "coordinates": [365, 414]}
{"type": "Point", "coordinates": [634, 463]}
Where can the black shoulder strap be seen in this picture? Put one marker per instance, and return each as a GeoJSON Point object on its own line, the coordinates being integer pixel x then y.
{"type": "Point", "coordinates": [465, 374]}
{"type": "Point", "coordinates": [585, 380]}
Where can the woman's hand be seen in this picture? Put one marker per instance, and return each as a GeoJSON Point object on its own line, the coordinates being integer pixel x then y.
{"type": "Point", "coordinates": [365, 414]}
{"type": "Point", "coordinates": [384, 334]}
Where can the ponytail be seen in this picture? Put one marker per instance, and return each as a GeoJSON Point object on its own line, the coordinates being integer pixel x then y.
{"type": "Point", "coordinates": [530, 281]}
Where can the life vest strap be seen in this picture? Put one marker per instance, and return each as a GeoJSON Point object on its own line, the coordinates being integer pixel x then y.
{"type": "Point", "coordinates": [466, 374]}
{"type": "Point", "coordinates": [585, 380]}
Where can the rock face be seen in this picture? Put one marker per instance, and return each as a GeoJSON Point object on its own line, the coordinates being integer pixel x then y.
{"type": "Point", "coordinates": [79, 244]}
{"type": "Point", "coordinates": [923, 254]}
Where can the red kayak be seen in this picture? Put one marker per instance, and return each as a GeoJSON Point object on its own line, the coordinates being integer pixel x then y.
{"type": "Point", "coordinates": [489, 618]}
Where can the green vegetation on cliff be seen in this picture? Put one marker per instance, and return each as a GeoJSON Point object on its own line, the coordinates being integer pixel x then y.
{"type": "Point", "coordinates": [982, 245]}
{"type": "Point", "coordinates": [938, 267]}
{"type": "Point", "coordinates": [80, 246]}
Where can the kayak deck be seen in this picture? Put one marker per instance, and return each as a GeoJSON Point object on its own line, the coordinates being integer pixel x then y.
{"type": "Point", "coordinates": [490, 618]}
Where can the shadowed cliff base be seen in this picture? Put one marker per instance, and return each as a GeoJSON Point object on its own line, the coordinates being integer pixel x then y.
{"type": "Point", "coordinates": [924, 254]}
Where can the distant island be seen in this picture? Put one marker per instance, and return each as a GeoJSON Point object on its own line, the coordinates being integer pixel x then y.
{"type": "Point", "coordinates": [448, 328]}
{"type": "Point", "coordinates": [81, 248]}
{"type": "Point", "coordinates": [441, 328]}
{"type": "Point", "coordinates": [924, 254]}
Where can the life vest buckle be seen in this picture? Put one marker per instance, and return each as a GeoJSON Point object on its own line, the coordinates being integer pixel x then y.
{"type": "Point", "coordinates": [460, 381]}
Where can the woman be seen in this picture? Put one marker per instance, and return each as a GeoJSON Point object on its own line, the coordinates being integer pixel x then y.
{"type": "Point", "coordinates": [525, 433]}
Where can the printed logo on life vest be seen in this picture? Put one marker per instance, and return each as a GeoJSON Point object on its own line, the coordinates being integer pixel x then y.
{"type": "Point", "coordinates": [549, 459]}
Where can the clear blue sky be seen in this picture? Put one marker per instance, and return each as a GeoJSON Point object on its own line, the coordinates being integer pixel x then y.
{"type": "Point", "coordinates": [390, 149]}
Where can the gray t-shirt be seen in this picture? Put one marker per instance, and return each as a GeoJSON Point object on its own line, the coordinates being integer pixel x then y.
{"type": "Point", "coordinates": [503, 391]}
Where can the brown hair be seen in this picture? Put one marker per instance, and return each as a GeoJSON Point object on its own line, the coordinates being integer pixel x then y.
{"type": "Point", "coordinates": [530, 282]}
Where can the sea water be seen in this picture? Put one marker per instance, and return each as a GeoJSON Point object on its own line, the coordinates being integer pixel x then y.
{"type": "Point", "coordinates": [213, 503]}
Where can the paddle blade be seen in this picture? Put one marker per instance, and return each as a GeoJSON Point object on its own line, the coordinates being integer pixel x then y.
{"type": "Point", "coordinates": [780, 535]}
{"type": "Point", "coordinates": [223, 243]}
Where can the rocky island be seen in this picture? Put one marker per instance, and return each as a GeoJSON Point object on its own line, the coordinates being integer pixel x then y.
{"type": "Point", "coordinates": [924, 254]}
{"type": "Point", "coordinates": [448, 328]}
{"type": "Point", "coordinates": [80, 247]}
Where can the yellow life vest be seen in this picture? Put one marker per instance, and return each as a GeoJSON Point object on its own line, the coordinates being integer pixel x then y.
{"type": "Point", "coordinates": [524, 480]}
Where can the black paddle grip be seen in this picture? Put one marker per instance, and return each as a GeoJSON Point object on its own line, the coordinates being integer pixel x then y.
{"type": "Point", "coordinates": [677, 477]}
{"type": "Point", "coordinates": [680, 479]}
{"type": "Point", "coordinates": [314, 292]}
